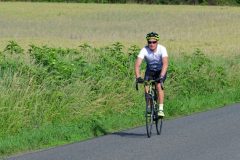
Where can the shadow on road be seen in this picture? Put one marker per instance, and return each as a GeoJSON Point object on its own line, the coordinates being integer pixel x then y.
{"type": "Point", "coordinates": [98, 129]}
{"type": "Point", "coordinates": [130, 135]}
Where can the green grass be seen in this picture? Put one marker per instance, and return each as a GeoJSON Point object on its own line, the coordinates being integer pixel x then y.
{"type": "Point", "coordinates": [214, 29]}
{"type": "Point", "coordinates": [54, 96]}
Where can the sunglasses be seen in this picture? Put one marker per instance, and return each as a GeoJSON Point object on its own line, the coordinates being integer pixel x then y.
{"type": "Point", "coordinates": [152, 42]}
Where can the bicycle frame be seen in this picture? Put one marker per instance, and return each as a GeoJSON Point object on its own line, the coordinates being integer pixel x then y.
{"type": "Point", "coordinates": [151, 92]}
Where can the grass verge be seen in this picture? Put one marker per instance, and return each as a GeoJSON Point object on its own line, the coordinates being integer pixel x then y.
{"type": "Point", "coordinates": [53, 96]}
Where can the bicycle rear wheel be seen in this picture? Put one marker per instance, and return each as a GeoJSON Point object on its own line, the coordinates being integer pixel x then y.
{"type": "Point", "coordinates": [149, 121]}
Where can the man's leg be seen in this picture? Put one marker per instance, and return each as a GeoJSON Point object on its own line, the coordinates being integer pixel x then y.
{"type": "Point", "coordinates": [146, 78]}
{"type": "Point", "coordinates": [147, 99]}
{"type": "Point", "coordinates": [160, 99]}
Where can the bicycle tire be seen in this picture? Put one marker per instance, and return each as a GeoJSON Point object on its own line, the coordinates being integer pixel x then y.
{"type": "Point", "coordinates": [149, 120]}
{"type": "Point", "coordinates": [159, 124]}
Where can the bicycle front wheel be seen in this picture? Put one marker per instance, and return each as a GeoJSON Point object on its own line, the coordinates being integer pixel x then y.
{"type": "Point", "coordinates": [149, 122]}
{"type": "Point", "coordinates": [159, 124]}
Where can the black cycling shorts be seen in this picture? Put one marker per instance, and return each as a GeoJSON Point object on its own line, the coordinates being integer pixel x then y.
{"type": "Point", "coordinates": [152, 75]}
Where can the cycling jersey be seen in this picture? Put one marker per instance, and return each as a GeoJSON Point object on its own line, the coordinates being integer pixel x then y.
{"type": "Point", "coordinates": [153, 59]}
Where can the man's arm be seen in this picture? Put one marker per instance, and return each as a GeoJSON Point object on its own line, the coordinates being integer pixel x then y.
{"type": "Point", "coordinates": [164, 67]}
{"type": "Point", "coordinates": [137, 67]}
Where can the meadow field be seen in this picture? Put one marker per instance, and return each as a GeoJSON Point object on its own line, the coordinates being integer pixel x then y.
{"type": "Point", "coordinates": [67, 69]}
{"type": "Point", "coordinates": [214, 29]}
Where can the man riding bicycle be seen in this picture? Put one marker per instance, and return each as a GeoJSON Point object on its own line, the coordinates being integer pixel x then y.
{"type": "Point", "coordinates": [156, 58]}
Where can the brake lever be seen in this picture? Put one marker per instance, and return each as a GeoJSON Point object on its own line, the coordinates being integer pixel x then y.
{"type": "Point", "coordinates": [137, 86]}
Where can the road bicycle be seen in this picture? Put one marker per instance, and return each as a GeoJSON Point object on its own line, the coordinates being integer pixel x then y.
{"type": "Point", "coordinates": [151, 114]}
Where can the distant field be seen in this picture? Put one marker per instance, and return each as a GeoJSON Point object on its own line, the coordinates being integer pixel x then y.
{"type": "Point", "coordinates": [182, 28]}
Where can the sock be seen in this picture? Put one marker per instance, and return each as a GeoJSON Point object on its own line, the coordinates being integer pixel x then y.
{"type": "Point", "coordinates": [161, 107]}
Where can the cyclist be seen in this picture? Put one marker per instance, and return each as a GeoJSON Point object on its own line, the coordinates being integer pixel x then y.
{"type": "Point", "coordinates": [156, 58]}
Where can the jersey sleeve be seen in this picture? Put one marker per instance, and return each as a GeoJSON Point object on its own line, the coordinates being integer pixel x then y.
{"type": "Point", "coordinates": [142, 53]}
{"type": "Point", "coordinates": [164, 52]}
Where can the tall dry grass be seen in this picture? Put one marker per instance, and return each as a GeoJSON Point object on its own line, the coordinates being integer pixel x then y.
{"type": "Point", "coordinates": [181, 28]}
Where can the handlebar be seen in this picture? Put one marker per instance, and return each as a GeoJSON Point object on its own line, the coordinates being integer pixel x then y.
{"type": "Point", "coordinates": [149, 82]}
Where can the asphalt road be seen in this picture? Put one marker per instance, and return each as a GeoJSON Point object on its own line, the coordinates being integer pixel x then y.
{"type": "Point", "coordinates": [213, 135]}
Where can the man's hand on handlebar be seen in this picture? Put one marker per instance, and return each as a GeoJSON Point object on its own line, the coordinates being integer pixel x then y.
{"type": "Point", "coordinates": [139, 80]}
{"type": "Point", "coordinates": [159, 80]}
